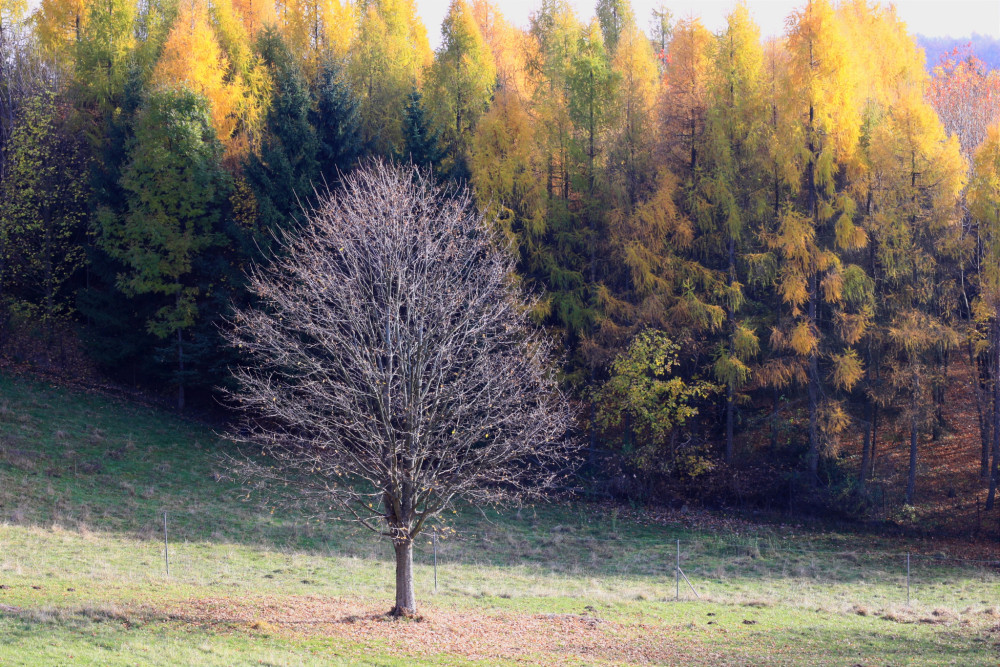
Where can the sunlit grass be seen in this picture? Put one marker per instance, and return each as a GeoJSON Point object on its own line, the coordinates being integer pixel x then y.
{"type": "Point", "coordinates": [84, 482]}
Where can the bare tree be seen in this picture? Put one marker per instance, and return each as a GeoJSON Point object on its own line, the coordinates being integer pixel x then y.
{"type": "Point", "coordinates": [391, 368]}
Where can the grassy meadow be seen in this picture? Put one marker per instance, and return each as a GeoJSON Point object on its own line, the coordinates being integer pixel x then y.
{"type": "Point", "coordinates": [85, 479]}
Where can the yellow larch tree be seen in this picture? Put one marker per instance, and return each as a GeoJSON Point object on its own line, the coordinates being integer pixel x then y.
{"type": "Point", "coordinates": [821, 126]}
{"type": "Point", "coordinates": [388, 59]}
{"type": "Point", "coordinates": [59, 25]}
{"type": "Point", "coordinates": [511, 47]}
{"type": "Point", "coordinates": [193, 59]}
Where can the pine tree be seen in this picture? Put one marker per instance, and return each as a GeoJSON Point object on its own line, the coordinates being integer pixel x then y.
{"type": "Point", "coordinates": [103, 53]}
{"type": "Point", "coordinates": [984, 202]}
{"type": "Point", "coordinates": [192, 59]}
{"type": "Point", "coordinates": [506, 174]}
{"type": "Point", "coordinates": [389, 56]}
{"type": "Point", "coordinates": [59, 25]}
{"type": "Point", "coordinates": [614, 16]}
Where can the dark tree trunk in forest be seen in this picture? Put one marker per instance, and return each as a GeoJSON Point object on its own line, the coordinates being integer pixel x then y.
{"type": "Point", "coordinates": [813, 391]}
{"type": "Point", "coordinates": [775, 411]}
{"type": "Point", "coordinates": [731, 323]}
{"type": "Point", "coordinates": [871, 471]}
{"type": "Point", "coordinates": [995, 470]}
{"type": "Point", "coordinates": [983, 411]}
{"type": "Point", "coordinates": [180, 368]}
{"type": "Point", "coordinates": [813, 296]}
{"type": "Point", "coordinates": [406, 601]}
{"type": "Point", "coordinates": [866, 448]}
{"type": "Point", "coordinates": [911, 481]}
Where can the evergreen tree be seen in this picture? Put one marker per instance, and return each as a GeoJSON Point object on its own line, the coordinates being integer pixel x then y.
{"type": "Point", "coordinates": [337, 121]}
{"type": "Point", "coordinates": [823, 125]}
{"type": "Point", "coordinates": [614, 16]}
{"type": "Point", "coordinates": [388, 57]}
{"type": "Point", "coordinates": [283, 176]}
{"type": "Point", "coordinates": [176, 196]}
{"type": "Point", "coordinates": [422, 139]}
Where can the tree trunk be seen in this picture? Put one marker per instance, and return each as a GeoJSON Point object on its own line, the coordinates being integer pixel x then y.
{"type": "Point", "coordinates": [180, 368]}
{"type": "Point", "coordinates": [406, 601]}
{"type": "Point", "coordinates": [731, 324]}
{"type": "Point", "coordinates": [813, 391]}
{"type": "Point", "coordinates": [911, 482]}
{"type": "Point", "coordinates": [871, 472]}
{"type": "Point", "coordinates": [983, 411]}
{"type": "Point", "coordinates": [866, 448]}
{"type": "Point", "coordinates": [995, 470]}
{"type": "Point", "coordinates": [775, 407]}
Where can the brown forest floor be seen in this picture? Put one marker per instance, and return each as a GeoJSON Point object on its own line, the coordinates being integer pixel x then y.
{"type": "Point", "coordinates": [950, 493]}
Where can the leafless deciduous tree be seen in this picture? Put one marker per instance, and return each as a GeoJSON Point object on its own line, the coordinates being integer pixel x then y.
{"type": "Point", "coordinates": [392, 369]}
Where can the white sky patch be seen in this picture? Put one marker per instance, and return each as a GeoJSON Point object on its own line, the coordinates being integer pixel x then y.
{"type": "Point", "coordinates": [935, 18]}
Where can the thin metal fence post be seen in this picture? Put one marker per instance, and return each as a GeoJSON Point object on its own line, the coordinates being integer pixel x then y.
{"type": "Point", "coordinates": [677, 574]}
{"type": "Point", "coordinates": [166, 548]}
{"type": "Point", "coordinates": [435, 541]}
{"type": "Point", "coordinates": [907, 578]}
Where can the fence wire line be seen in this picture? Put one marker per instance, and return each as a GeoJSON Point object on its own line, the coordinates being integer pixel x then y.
{"type": "Point", "coordinates": [704, 543]}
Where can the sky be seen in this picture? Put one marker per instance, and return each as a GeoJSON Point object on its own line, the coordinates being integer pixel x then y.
{"type": "Point", "coordinates": [934, 18]}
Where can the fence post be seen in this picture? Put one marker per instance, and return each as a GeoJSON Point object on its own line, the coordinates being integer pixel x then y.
{"type": "Point", "coordinates": [677, 574]}
{"type": "Point", "coordinates": [434, 538]}
{"type": "Point", "coordinates": [166, 548]}
{"type": "Point", "coordinates": [907, 578]}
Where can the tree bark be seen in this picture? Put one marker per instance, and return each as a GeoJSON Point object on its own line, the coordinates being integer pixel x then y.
{"type": "Point", "coordinates": [911, 482]}
{"type": "Point", "coordinates": [406, 601]}
{"type": "Point", "coordinates": [813, 392]}
{"type": "Point", "coordinates": [180, 368]}
{"type": "Point", "coordinates": [995, 469]}
{"type": "Point", "coordinates": [866, 448]}
{"type": "Point", "coordinates": [731, 323]}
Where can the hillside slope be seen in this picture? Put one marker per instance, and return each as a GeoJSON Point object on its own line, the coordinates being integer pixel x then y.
{"type": "Point", "coordinates": [84, 480]}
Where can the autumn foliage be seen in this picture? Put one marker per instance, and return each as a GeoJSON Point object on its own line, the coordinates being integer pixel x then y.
{"type": "Point", "coordinates": [800, 228]}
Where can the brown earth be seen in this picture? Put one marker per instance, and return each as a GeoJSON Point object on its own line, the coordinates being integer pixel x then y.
{"type": "Point", "coordinates": [556, 638]}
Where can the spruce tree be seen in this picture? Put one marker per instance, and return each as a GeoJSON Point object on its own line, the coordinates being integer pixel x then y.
{"type": "Point", "coordinates": [284, 174]}
{"type": "Point", "coordinates": [336, 119]}
{"type": "Point", "coordinates": [422, 139]}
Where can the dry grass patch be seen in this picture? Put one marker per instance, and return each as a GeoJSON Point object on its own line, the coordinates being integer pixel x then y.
{"type": "Point", "coordinates": [488, 636]}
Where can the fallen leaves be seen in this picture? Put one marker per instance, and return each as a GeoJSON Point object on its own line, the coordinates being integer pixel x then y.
{"type": "Point", "coordinates": [561, 638]}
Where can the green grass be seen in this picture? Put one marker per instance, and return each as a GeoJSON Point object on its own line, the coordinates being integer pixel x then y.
{"type": "Point", "coordinates": [84, 481]}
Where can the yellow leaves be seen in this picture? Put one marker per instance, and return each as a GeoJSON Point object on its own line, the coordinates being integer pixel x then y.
{"type": "Point", "coordinates": [794, 289]}
{"type": "Point", "coordinates": [731, 371]}
{"type": "Point", "coordinates": [803, 339]}
{"type": "Point", "coordinates": [745, 341]}
{"type": "Point", "coordinates": [851, 326]}
{"type": "Point", "coordinates": [846, 370]}
{"type": "Point", "coordinates": [848, 235]}
{"type": "Point", "coordinates": [255, 14]}
{"type": "Point", "coordinates": [316, 29]}
{"type": "Point", "coordinates": [191, 58]}
{"type": "Point", "coordinates": [832, 285]}
{"type": "Point", "coordinates": [60, 24]}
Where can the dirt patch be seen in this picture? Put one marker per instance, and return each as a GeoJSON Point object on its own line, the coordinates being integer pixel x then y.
{"type": "Point", "coordinates": [507, 636]}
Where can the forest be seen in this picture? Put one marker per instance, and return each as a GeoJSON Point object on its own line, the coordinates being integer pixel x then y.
{"type": "Point", "coordinates": [750, 253]}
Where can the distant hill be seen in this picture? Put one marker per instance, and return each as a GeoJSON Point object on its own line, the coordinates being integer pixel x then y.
{"type": "Point", "coordinates": [985, 47]}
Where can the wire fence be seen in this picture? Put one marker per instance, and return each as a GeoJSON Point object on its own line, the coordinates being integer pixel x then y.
{"type": "Point", "coordinates": [752, 571]}
{"type": "Point", "coordinates": [664, 566]}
